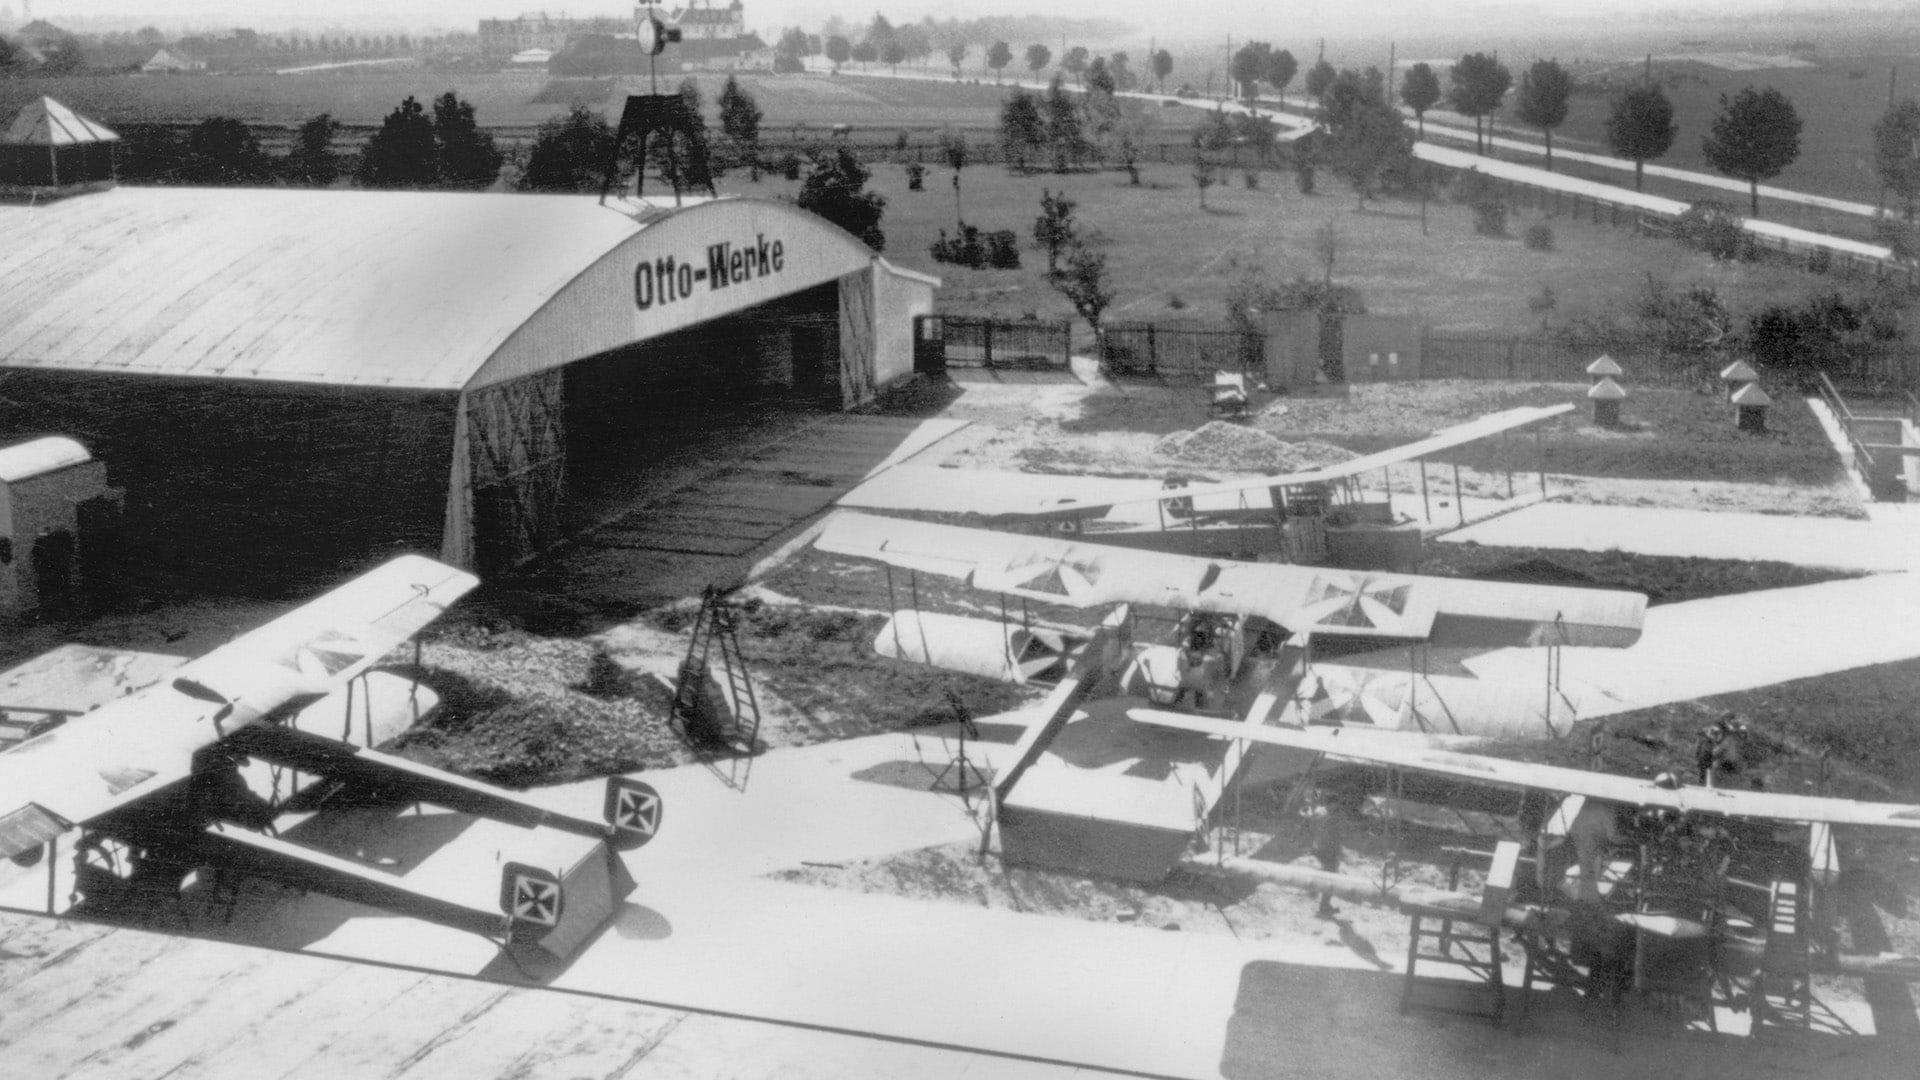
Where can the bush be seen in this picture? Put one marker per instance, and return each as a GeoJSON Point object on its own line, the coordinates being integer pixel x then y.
{"type": "Point", "coordinates": [1820, 260]}
{"type": "Point", "coordinates": [1003, 250]}
{"type": "Point", "coordinates": [1539, 237]}
{"type": "Point", "coordinates": [916, 176]}
{"type": "Point", "coordinates": [1303, 177]}
{"type": "Point", "coordinates": [1251, 179]}
{"type": "Point", "coordinates": [788, 165]}
{"type": "Point", "coordinates": [962, 250]}
{"type": "Point", "coordinates": [1490, 218]}
{"type": "Point", "coordinates": [1712, 227]}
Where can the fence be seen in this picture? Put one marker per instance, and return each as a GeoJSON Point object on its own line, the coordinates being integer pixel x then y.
{"type": "Point", "coordinates": [1034, 344]}
{"type": "Point", "coordinates": [1447, 354]}
{"type": "Point", "coordinates": [1178, 351]}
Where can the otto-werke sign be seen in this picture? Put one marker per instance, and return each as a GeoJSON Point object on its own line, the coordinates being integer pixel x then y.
{"type": "Point", "coordinates": [665, 280]}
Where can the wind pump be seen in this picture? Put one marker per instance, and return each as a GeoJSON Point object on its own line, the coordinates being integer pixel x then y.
{"type": "Point", "coordinates": [665, 115]}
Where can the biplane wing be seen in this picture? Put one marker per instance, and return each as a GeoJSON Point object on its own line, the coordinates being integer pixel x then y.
{"type": "Point", "coordinates": [1444, 439]}
{"type": "Point", "coordinates": [1404, 751]}
{"type": "Point", "coordinates": [1303, 599]}
{"type": "Point", "coordinates": [137, 745]}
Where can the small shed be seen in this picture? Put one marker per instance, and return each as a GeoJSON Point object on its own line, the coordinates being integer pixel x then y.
{"type": "Point", "coordinates": [1750, 407]}
{"type": "Point", "coordinates": [1606, 396]}
{"type": "Point", "coordinates": [1738, 375]}
{"type": "Point", "coordinates": [52, 493]}
{"type": "Point", "coordinates": [50, 149]}
{"type": "Point", "coordinates": [1604, 368]}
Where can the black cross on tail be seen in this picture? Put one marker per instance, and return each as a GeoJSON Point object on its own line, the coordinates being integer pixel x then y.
{"type": "Point", "coordinates": [632, 809]}
{"type": "Point", "coordinates": [532, 900]}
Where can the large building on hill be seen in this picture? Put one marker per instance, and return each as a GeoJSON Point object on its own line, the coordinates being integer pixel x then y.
{"type": "Point", "coordinates": [708, 23]}
{"type": "Point", "coordinates": [501, 39]}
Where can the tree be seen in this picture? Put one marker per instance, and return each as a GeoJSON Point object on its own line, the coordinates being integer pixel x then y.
{"type": "Point", "coordinates": [1120, 67]}
{"type": "Point", "coordinates": [569, 153]}
{"type": "Point", "coordinates": [466, 155]}
{"type": "Point", "coordinates": [839, 51]}
{"type": "Point", "coordinates": [9, 56]}
{"type": "Point", "coordinates": [1478, 83]}
{"type": "Point", "coordinates": [1755, 136]}
{"type": "Point", "coordinates": [956, 52]}
{"type": "Point", "coordinates": [1367, 138]}
{"type": "Point", "coordinates": [1542, 100]}
{"type": "Point", "coordinates": [1022, 133]}
{"type": "Point", "coordinates": [892, 53]}
{"type": "Point", "coordinates": [1065, 136]}
{"type": "Point", "coordinates": [1075, 63]}
{"type": "Point", "coordinates": [402, 154]}
{"type": "Point", "coordinates": [1319, 80]}
{"type": "Point", "coordinates": [1281, 68]}
{"type": "Point", "coordinates": [1162, 66]}
{"type": "Point", "coordinates": [789, 55]}
{"type": "Point", "coordinates": [740, 123]}
{"type": "Point", "coordinates": [1328, 242]}
{"type": "Point", "coordinates": [1038, 56]}
{"type": "Point", "coordinates": [955, 152]}
{"type": "Point", "coordinates": [1054, 229]}
{"type": "Point", "coordinates": [312, 161]}
{"type": "Point", "coordinates": [835, 189]}
{"type": "Point", "coordinates": [1249, 66]}
{"type": "Point", "coordinates": [222, 151]}
{"type": "Point", "coordinates": [1896, 152]}
{"type": "Point", "coordinates": [1640, 127]}
{"type": "Point", "coordinates": [999, 55]}
{"type": "Point", "coordinates": [1136, 120]}
{"type": "Point", "coordinates": [1420, 90]}
{"type": "Point", "coordinates": [63, 57]}
{"type": "Point", "coordinates": [866, 53]}
{"type": "Point", "coordinates": [1084, 284]}
{"type": "Point", "coordinates": [1211, 138]}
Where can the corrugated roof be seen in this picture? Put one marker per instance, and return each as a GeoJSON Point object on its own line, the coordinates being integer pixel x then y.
{"type": "Point", "coordinates": [46, 122]}
{"type": "Point", "coordinates": [396, 289]}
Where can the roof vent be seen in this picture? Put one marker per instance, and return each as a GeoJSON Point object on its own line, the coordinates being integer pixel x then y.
{"type": "Point", "coordinates": [50, 151]}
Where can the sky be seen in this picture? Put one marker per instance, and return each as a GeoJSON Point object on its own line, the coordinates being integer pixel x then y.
{"type": "Point", "coordinates": [1170, 20]}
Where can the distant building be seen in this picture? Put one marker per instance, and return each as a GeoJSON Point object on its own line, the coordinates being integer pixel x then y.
{"type": "Point", "coordinates": [708, 23]}
{"type": "Point", "coordinates": [40, 36]}
{"type": "Point", "coordinates": [502, 39]}
{"type": "Point", "coordinates": [168, 63]}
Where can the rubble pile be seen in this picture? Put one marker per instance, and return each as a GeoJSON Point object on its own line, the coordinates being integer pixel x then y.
{"type": "Point", "coordinates": [1233, 447]}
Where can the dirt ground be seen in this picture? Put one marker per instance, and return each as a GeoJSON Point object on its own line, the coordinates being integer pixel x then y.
{"type": "Point", "coordinates": [1060, 425]}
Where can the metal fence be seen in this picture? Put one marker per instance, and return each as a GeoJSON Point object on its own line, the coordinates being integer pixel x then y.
{"type": "Point", "coordinates": [1031, 344]}
{"type": "Point", "coordinates": [1178, 350]}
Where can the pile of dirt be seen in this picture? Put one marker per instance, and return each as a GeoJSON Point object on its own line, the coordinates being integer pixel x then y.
{"type": "Point", "coordinates": [1222, 445]}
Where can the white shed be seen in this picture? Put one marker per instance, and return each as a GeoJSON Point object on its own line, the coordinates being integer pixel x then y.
{"type": "Point", "coordinates": [49, 487]}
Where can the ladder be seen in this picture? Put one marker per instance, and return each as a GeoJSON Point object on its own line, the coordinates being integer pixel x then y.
{"type": "Point", "coordinates": [1783, 987]}
{"type": "Point", "coordinates": [703, 721]}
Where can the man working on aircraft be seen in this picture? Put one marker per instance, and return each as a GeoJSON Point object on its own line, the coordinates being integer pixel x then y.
{"type": "Point", "coordinates": [1718, 752]}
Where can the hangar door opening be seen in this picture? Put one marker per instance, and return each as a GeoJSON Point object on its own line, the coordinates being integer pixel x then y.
{"type": "Point", "coordinates": [556, 452]}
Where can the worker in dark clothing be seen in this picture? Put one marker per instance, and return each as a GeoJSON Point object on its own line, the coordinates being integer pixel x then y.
{"type": "Point", "coordinates": [1718, 753]}
{"type": "Point", "coordinates": [1327, 833]}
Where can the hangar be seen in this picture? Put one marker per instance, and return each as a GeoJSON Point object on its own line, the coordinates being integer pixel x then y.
{"type": "Point", "coordinates": [309, 378]}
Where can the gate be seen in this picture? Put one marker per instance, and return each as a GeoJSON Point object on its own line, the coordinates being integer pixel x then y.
{"type": "Point", "coordinates": [1029, 344]}
{"type": "Point", "coordinates": [518, 462]}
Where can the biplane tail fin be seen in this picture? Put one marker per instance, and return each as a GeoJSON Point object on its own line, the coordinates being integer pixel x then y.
{"type": "Point", "coordinates": [632, 812]}
{"type": "Point", "coordinates": [533, 901]}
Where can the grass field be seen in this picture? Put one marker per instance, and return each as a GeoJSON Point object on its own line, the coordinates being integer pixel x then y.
{"type": "Point", "coordinates": [1170, 258]}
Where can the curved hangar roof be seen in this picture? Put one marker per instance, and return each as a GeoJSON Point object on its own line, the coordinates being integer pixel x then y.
{"type": "Point", "coordinates": [408, 290]}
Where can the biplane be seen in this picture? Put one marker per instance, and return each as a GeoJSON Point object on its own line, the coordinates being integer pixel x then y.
{"type": "Point", "coordinates": [1392, 651]}
{"type": "Point", "coordinates": [151, 780]}
{"type": "Point", "coordinates": [1697, 879]}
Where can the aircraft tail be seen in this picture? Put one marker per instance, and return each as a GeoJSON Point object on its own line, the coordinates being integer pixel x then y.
{"type": "Point", "coordinates": [632, 810]}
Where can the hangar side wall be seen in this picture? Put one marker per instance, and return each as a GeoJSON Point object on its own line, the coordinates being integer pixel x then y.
{"type": "Point", "coordinates": [268, 487]}
{"type": "Point", "coordinates": [899, 297]}
{"type": "Point", "coordinates": [669, 277]}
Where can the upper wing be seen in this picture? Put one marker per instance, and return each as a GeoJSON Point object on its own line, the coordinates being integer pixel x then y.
{"type": "Point", "coordinates": [1444, 439]}
{"type": "Point", "coordinates": [136, 745]}
{"type": "Point", "coordinates": [1303, 599]}
{"type": "Point", "coordinates": [1405, 751]}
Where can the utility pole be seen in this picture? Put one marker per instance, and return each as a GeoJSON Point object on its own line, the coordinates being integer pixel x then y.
{"type": "Point", "coordinates": [1230, 89]}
